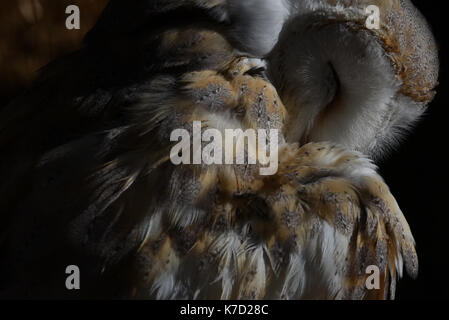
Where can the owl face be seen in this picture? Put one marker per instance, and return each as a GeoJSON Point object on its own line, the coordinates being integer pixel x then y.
{"type": "Point", "coordinates": [346, 83]}
{"type": "Point", "coordinates": [341, 81]}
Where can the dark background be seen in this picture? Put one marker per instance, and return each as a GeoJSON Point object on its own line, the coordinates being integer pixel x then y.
{"type": "Point", "coordinates": [32, 33]}
{"type": "Point", "coordinates": [417, 174]}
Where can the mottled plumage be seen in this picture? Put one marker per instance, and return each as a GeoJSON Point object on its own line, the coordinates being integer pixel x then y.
{"type": "Point", "coordinates": [87, 179]}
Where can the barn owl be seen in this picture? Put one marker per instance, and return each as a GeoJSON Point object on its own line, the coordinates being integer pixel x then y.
{"type": "Point", "coordinates": [87, 177]}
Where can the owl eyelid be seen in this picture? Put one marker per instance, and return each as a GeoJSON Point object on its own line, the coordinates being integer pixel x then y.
{"type": "Point", "coordinates": [256, 71]}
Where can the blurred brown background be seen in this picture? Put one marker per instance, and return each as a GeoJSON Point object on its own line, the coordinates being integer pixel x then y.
{"type": "Point", "coordinates": [32, 33]}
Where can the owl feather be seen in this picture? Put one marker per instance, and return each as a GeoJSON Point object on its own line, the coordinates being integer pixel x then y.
{"type": "Point", "coordinates": [87, 177]}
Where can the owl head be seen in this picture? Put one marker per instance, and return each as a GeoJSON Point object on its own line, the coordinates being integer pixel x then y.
{"type": "Point", "coordinates": [344, 79]}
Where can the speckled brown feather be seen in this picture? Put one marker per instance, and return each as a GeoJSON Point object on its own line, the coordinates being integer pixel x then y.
{"type": "Point", "coordinates": [280, 210]}
{"type": "Point", "coordinates": [97, 187]}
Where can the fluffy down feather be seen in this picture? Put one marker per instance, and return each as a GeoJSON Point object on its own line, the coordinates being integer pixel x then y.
{"type": "Point", "coordinates": [86, 176]}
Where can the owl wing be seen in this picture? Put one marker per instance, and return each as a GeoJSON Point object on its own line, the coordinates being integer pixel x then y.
{"type": "Point", "coordinates": [311, 231]}
{"type": "Point", "coordinates": [314, 229]}
{"type": "Point", "coordinates": [114, 200]}
{"type": "Point", "coordinates": [93, 171]}
{"type": "Point", "coordinates": [333, 217]}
